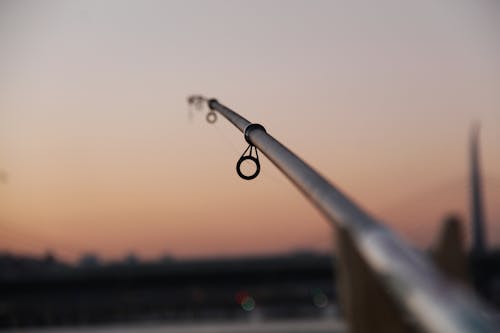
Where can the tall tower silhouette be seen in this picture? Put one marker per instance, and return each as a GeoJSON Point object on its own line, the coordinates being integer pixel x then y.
{"type": "Point", "coordinates": [476, 195]}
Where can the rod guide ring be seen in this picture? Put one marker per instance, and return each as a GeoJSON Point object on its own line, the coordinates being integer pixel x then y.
{"type": "Point", "coordinates": [211, 117]}
{"type": "Point", "coordinates": [257, 167]}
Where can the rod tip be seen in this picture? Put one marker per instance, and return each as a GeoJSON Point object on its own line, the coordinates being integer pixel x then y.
{"type": "Point", "coordinates": [211, 103]}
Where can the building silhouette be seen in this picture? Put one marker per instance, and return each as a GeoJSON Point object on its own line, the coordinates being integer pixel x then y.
{"type": "Point", "coordinates": [476, 196]}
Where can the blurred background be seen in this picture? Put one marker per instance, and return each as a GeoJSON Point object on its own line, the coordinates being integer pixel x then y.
{"type": "Point", "coordinates": [119, 204]}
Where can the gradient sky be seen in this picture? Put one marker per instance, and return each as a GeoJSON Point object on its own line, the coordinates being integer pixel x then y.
{"type": "Point", "coordinates": [102, 157]}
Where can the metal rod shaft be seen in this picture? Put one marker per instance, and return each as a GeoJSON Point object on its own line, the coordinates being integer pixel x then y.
{"type": "Point", "coordinates": [436, 304]}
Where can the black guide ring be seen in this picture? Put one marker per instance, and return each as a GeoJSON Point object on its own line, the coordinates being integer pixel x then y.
{"type": "Point", "coordinates": [250, 158]}
{"type": "Point", "coordinates": [211, 117]}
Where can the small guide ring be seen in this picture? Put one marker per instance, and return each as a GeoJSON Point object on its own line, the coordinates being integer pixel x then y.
{"type": "Point", "coordinates": [257, 169]}
{"type": "Point", "coordinates": [211, 117]}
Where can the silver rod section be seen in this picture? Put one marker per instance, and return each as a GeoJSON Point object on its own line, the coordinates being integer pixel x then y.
{"type": "Point", "coordinates": [234, 118]}
{"type": "Point", "coordinates": [435, 304]}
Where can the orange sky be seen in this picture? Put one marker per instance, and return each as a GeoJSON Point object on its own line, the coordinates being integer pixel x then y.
{"type": "Point", "coordinates": [101, 156]}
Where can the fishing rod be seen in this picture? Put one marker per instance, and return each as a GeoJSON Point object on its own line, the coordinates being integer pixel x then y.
{"type": "Point", "coordinates": [436, 304]}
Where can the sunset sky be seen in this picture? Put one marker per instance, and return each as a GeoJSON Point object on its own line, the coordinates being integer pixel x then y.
{"type": "Point", "coordinates": [102, 156]}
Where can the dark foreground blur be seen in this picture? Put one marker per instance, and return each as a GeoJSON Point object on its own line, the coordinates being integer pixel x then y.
{"type": "Point", "coordinates": [230, 295]}
{"type": "Point", "coordinates": [48, 293]}
{"type": "Point", "coordinates": [289, 326]}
